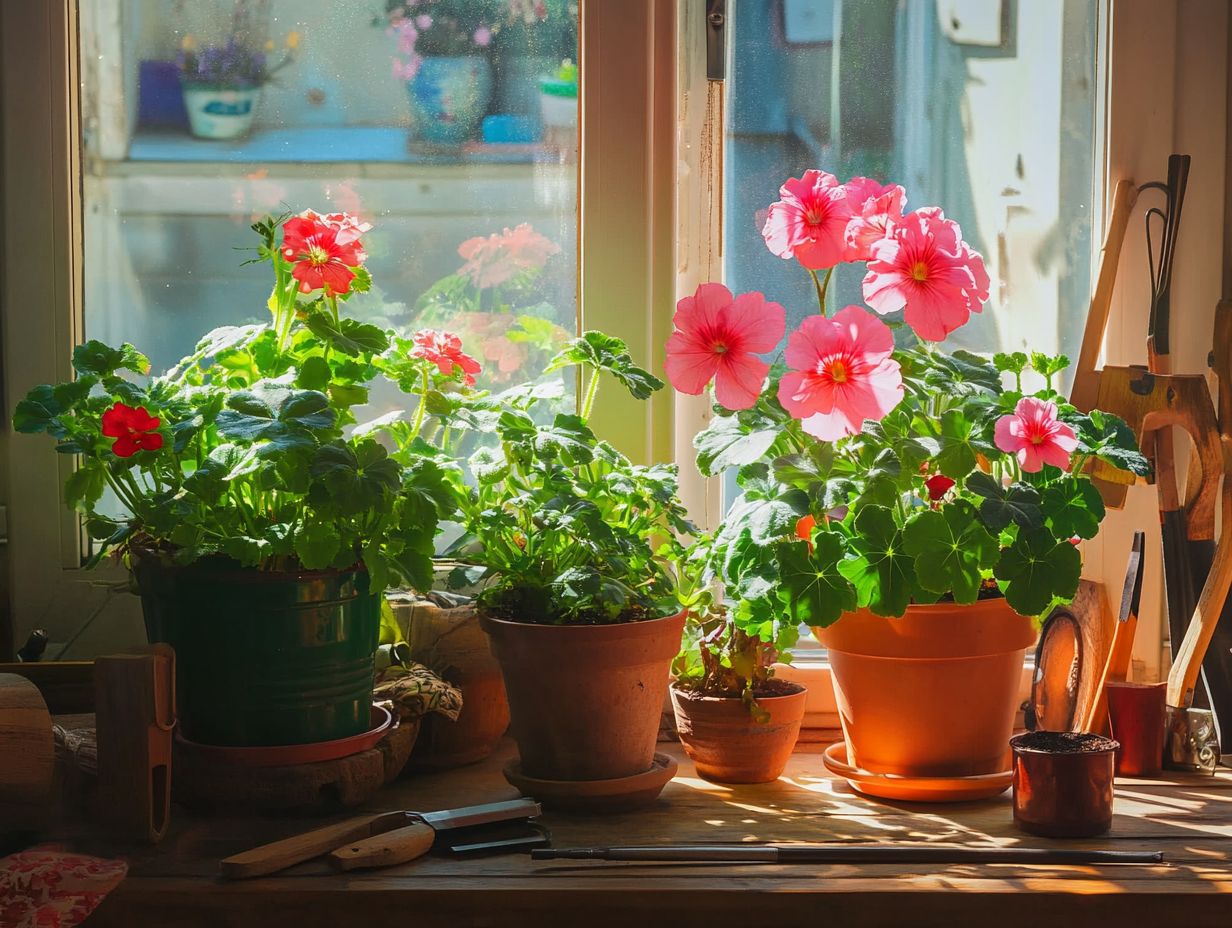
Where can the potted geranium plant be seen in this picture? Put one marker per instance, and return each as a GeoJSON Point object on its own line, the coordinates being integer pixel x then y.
{"type": "Point", "coordinates": [916, 508]}
{"type": "Point", "coordinates": [575, 552]}
{"type": "Point", "coordinates": [444, 57]}
{"type": "Point", "coordinates": [738, 723]}
{"type": "Point", "coordinates": [259, 532]}
{"type": "Point", "coordinates": [221, 84]}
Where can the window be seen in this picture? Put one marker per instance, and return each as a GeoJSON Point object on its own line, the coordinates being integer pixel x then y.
{"type": "Point", "coordinates": [139, 218]}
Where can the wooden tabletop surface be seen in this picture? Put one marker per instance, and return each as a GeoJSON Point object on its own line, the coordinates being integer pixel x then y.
{"type": "Point", "coordinates": [1188, 817]}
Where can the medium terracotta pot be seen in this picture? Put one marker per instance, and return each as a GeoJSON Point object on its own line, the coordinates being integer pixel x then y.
{"type": "Point", "coordinates": [931, 694]}
{"type": "Point", "coordinates": [725, 742]}
{"type": "Point", "coordinates": [585, 700]}
{"type": "Point", "coordinates": [451, 643]}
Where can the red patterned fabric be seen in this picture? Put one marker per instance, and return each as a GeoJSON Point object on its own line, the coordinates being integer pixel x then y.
{"type": "Point", "coordinates": [44, 887]}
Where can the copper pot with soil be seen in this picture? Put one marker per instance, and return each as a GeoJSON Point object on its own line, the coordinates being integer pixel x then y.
{"type": "Point", "coordinates": [444, 634]}
{"type": "Point", "coordinates": [585, 700]}
{"type": "Point", "coordinates": [731, 742]}
{"type": "Point", "coordinates": [1063, 783]}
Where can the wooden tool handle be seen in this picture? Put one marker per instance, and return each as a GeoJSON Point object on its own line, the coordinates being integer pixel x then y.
{"type": "Point", "coordinates": [399, 846]}
{"type": "Point", "coordinates": [1086, 377]}
{"type": "Point", "coordinates": [1188, 662]}
{"type": "Point", "coordinates": [270, 858]}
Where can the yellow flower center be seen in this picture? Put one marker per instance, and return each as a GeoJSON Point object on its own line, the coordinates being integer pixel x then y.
{"type": "Point", "coordinates": [718, 347]}
{"type": "Point", "coordinates": [838, 372]}
{"type": "Point", "coordinates": [317, 256]}
{"type": "Point", "coordinates": [920, 271]}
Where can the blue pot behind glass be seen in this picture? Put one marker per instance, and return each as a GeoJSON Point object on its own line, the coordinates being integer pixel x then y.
{"type": "Point", "coordinates": [449, 98]}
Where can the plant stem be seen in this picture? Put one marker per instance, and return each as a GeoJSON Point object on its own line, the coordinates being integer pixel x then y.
{"type": "Point", "coordinates": [423, 406]}
{"type": "Point", "coordinates": [592, 389]}
{"type": "Point", "coordinates": [822, 286]}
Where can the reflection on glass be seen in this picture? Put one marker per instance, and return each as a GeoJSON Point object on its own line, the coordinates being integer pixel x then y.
{"type": "Point", "coordinates": [985, 106]}
{"type": "Point", "coordinates": [438, 121]}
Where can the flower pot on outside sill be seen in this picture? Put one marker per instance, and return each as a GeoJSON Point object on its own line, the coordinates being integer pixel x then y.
{"type": "Point", "coordinates": [585, 700]}
{"type": "Point", "coordinates": [933, 693]}
{"type": "Point", "coordinates": [220, 113]}
{"type": "Point", "coordinates": [264, 658]}
{"type": "Point", "coordinates": [728, 745]}
{"type": "Point", "coordinates": [451, 643]}
{"type": "Point", "coordinates": [449, 98]}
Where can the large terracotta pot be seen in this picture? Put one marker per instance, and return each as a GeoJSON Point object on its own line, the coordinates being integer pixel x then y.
{"type": "Point", "coordinates": [725, 742]}
{"type": "Point", "coordinates": [451, 643]}
{"type": "Point", "coordinates": [933, 693]}
{"type": "Point", "coordinates": [585, 700]}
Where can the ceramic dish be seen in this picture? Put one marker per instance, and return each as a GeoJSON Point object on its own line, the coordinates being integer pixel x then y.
{"type": "Point", "coordinates": [290, 754]}
{"type": "Point", "coordinates": [914, 789]}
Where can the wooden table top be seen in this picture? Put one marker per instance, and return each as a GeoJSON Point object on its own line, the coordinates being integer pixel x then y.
{"type": "Point", "coordinates": [1188, 817]}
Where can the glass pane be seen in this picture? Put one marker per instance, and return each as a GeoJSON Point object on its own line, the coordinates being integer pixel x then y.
{"type": "Point", "coordinates": [985, 108]}
{"type": "Point", "coordinates": [450, 125]}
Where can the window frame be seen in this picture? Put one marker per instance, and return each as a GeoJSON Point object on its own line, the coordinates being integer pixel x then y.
{"type": "Point", "coordinates": [625, 173]}
{"type": "Point", "coordinates": [649, 200]}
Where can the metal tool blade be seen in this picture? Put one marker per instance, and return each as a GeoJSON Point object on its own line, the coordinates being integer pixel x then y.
{"type": "Point", "coordinates": [484, 814]}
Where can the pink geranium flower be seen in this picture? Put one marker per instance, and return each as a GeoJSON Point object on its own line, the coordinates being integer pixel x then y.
{"type": "Point", "coordinates": [842, 373]}
{"type": "Point", "coordinates": [494, 259]}
{"type": "Point", "coordinates": [809, 222]}
{"type": "Point", "coordinates": [324, 252]}
{"type": "Point", "coordinates": [874, 209]}
{"type": "Point", "coordinates": [924, 268]}
{"type": "Point", "coordinates": [444, 349]}
{"type": "Point", "coordinates": [1035, 435]}
{"type": "Point", "coordinates": [718, 337]}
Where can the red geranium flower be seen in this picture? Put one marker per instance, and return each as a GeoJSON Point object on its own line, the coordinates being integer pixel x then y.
{"type": "Point", "coordinates": [133, 430]}
{"type": "Point", "coordinates": [938, 485]}
{"type": "Point", "coordinates": [444, 349]}
{"type": "Point", "coordinates": [324, 250]}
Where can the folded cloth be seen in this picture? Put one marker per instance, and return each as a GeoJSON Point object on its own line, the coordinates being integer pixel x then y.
{"type": "Point", "coordinates": [415, 691]}
{"type": "Point", "coordinates": [46, 887]}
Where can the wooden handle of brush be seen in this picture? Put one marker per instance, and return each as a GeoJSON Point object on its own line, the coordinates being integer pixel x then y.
{"type": "Point", "coordinates": [399, 846]}
{"type": "Point", "coordinates": [1086, 377]}
{"type": "Point", "coordinates": [270, 858]}
{"type": "Point", "coordinates": [1188, 663]}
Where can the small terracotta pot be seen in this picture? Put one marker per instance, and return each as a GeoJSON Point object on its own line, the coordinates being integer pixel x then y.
{"type": "Point", "coordinates": [1137, 716]}
{"type": "Point", "coordinates": [451, 643]}
{"type": "Point", "coordinates": [1063, 783]}
{"type": "Point", "coordinates": [585, 700]}
{"type": "Point", "coordinates": [725, 742]}
{"type": "Point", "coordinates": [930, 694]}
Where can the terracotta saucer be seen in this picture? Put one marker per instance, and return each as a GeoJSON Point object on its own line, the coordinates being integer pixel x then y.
{"type": "Point", "coordinates": [619, 795]}
{"type": "Point", "coordinates": [285, 755]}
{"type": "Point", "coordinates": [914, 789]}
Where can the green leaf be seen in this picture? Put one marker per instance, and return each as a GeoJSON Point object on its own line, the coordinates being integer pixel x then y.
{"type": "Point", "coordinates": [1019, 503]}
{"type": "Point", "coordinates": [84, 486]}
{"type": "Point", "coordinates": [733, 441]}
{"type": "Point", "coordinates": [1010, 363]}
{"type": "Point", "coordinates": [567, 438]}
{"type": "Point", "coordinates": [1109, 439]}
{"type": "Point", "coordinates": [93, 357]}
{"type": "Point", "coordinates": [960, 442]}
{"type": "Point", "coordinates": [313, 374]}
{"type": "Point", "coordinates": [316, 545]}
{"type": "Point", "coordinates": [881, 570]}
{"type": "Point", "coordinates": [603, 352]}
{"type": "Point", "coordinates": [357, 477]}
{"type": "Point", "coordinates": [348, 336]}
{"type": "Point", "coordinates": [1073, 506]}
{"type": "Point", "coordinates": [815, 592]}
{"type": "Point", "coordinates": [1037, 568]}
{"type": "Point", "coordinates": [950, 548]}
{"type": "Point", "coordinates": [37, 411]}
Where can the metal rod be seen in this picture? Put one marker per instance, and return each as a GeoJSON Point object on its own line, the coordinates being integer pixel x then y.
{"type": "Point", "coordinates": [849, 854]}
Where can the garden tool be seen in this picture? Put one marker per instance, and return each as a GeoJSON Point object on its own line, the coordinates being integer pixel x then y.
{"type": "Point", "coordinates": [1116, 668]}
{"type": "Point", "coordinates": [386, 839]}
{"type": "Point", "coordinates": [848, 854]}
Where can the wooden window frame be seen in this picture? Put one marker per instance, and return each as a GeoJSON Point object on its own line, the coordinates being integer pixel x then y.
{"type": "Point", "coordinates": [650, 196]}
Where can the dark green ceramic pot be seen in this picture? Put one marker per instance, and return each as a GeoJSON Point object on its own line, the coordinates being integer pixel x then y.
{"type": "Point", "coordinates": [265, 658]}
